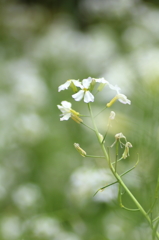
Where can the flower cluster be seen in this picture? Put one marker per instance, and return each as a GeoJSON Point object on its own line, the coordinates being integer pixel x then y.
{"type": "Point", "coordinates": [83, 90]}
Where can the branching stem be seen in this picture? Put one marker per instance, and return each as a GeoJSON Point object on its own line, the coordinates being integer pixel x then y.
{"type": "Point", "coordinates": [119, 179]}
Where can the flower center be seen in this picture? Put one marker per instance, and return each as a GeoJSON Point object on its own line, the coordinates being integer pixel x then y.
{"type": "Point", "coordinates": [85, 89]}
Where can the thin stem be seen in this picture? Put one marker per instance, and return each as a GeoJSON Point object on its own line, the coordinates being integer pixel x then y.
{"type": "Point", "coordinates": [124, 173]}
{"type": "Point", "coordinates": [120, 201]}
{"type": "Point", "coordinates": [92, 156]}
{"type": "Point", "coordinates": [156, 196]}
{"type": "Point", "coordinates": [157, 218]}
{"type": "Point", "coordinates": [94, 125]}
{"type": "Point", "coordinates": [116, 160]}
{"type": "Point", "coordinates": [81, 115]}
{"type": "Point", "coordinates": [106, 134]}
{"type": "Point", "coordinates": [87, 126]}
{"type": "Point", "coordinates": [102, 188]}
{"type": "Point", "coordinates": [100, 112]}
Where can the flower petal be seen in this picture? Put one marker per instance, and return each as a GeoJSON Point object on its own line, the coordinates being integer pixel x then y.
{"type": "Point", "coordinates": [88, 97]}
{"type": "Point", "coordinates": [123, 99]}
{"type": "Point", "coordinates": [77, 83]}
{"type": "Point", "coordinates": [101, 80]}
{"type": "Point", "coordinates": [66, 116]}
{"type": "Point", "coordinates": [67, 84]}
{"type": "Point", "coordinates": [78, 96]}
{"type": "Point", "coordinates": [86, 82]}
{"type": "Point", "coordinates": [64, 86]}
{"type": "Point", "coordinates": [66, 104]}
{"type": "Point", "coordinates": [114, 87]}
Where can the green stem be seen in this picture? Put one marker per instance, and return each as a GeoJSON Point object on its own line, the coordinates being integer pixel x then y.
{"type": "Point", "coordinates": [105, 134]}
{"type": "Point", "coordinates": [92, 156]}
{"type": "Point", "coordinates": [116, 160]}
{"type": "Point", "coordinates": [119, 179]}
{"type": "Point", "coordinates": [120, 201]}
{"type": "Point", "coordinates": [156, 196]}
{"type": "Point", "coordinates": [100, 112]}
{"type": "Point", "coordinates": [157, 218]}
{"type": "Point", "coordinates": [87, 126]}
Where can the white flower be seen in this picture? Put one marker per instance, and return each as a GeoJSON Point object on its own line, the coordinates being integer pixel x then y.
{"type": "Point", "coordinates": [65, 109]}
{"type": "Point", "coordinates": [120, 97]}
{"type": "Point", "coordinates": [68, 112]}
{"type": "Point", "coordinates": [84, 93]}
{"type": "Point", "coordinates": [69, 83]}
{"type": "Point", "coordinates": [123, 99]}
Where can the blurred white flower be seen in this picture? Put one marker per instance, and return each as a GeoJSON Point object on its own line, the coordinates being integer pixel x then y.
{"type": "Point", "coordinates": [115, 226]}
{"type": "Point", "coordinates": [30, 127]}
{"type": "Point", "coordinates": [26, 196]}
{"type": "Point", "coordinates": [7, 180]}
{"type": "Point", "coordinates": [49, 228]}
{"type": "Point", "coordinates": [11, 228]}
{"type": "Point", "coordinates": [44, 227]}
{"type": "Point", "coordinates": [84, 93]}
{"type": "Point", "coordinates": [140, 231]}
{"type": "Point", "coordinates": [28, 88]}
{"type": "Point", "coordinates": [85, 181]}
{"type": "Point", "coordinates": [67, 236]}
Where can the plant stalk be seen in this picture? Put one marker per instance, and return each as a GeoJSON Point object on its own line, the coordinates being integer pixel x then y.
{"type": "Point", "coordinates": [119, 179]}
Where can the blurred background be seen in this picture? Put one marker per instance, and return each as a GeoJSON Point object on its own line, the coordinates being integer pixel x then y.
{"type": "Point", "coordinates": [46, 187]}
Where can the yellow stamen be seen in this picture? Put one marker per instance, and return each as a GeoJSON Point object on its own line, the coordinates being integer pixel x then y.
{"type": "Point", "coordinates": [76, 119]}
{"type": "Point", "coordinates": [74, 112]}
{"type": "Point", "coordinates": [75, 116]}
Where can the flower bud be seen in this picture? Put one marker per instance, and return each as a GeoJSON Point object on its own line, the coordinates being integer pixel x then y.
{"type": "Point", "coordinates": [112, 115]}
{"type": "Point", "coordinates": [101, 137]}
{"type": "Point", "coordinates": [112, 102]}
{"type": "Point", "coordinates": [79, 149]}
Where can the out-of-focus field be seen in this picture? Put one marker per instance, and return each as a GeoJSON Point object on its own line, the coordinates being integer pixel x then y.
{"type": "Point", "coordinates": [46, 187]}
